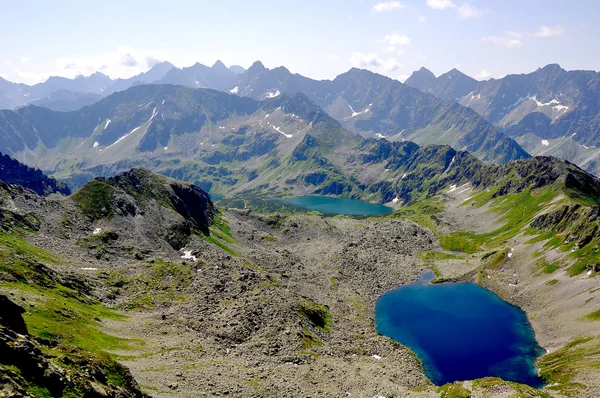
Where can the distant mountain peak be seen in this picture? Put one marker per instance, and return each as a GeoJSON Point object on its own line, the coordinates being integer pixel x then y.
{"type": "Point", "coordinates": [282, 69]}
{"type": "Point", "coordinates": [163, 64]}
{"type": "Point", "coordinates": [551, 68]}
{"type": "Point", "coordinates": [257, 65]}
{"type": "Point", "coordinates": [219, 65]}
{"type": "Point", "coordinates": [422, 79]}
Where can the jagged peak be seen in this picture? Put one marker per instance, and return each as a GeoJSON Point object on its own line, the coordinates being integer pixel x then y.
{"type": "Point", "coordinates": [282, 69]}
{"type": "Point", "coordinates": [162, 65]}
{"type": "Point", "coordinates": [424, 70]}
{"type": "Point", "coordinates": [456, 72]}
{"type": "Point", "coordinates": [257, 65]}
{"type": "Point", "coordinates": [551, 68]}
{"type": "Point", "coordinates": [219, 65]}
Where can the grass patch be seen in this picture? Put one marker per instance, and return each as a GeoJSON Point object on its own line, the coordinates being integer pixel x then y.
{"type": "Point", "coordinates": [222, 225]}
{"type": "Point", "coordinates": [58, 315]}
{"type": "Point", "coordinates": [58, 312]}
{"type": "Point", "coordinates": [309, 340]}
{"type": "Point", "coordinates": [546, 267]}
{"type": "Point", "coordinates": [159, 284]}
{"type": "Point", "coordinates": [552, 282]}
{"type": "Point", "coordinates": [94, 198]}
{"type": "Point", "coordinates": [560, 366]}
{"type": "Point", "coordinates": [317, 314]}
{"type": "Point", "coordinates": [222, 245]}
{"type": "Point", "coordinates": [423, 212]}
{"type": "Point", "coordinates": [464, 242]}
{"type": "Point", "coordinates": [594, 316]}
{"type": "Point", "coordinates": [15, 245]}
{"type": "Point", "coordinates": [453, 390]}
{"type": "Point", "coordinates": [268, 238]}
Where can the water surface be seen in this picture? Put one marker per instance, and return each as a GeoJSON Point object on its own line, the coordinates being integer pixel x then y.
{"type": "Point", "coordinates": [328, 204]}
{"type": "Point", "coordinates": [460, 331]}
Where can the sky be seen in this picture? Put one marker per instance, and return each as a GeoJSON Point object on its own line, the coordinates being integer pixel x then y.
{"type": "Point", "coordinates": [319, 39]}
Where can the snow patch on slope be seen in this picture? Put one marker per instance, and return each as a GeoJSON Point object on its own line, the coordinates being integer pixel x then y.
{"type": "Point", "coordinates": [132, 131]}
{"type": "Point", "coordinates": [279, 130]}
{"type": "Point", "coordinates": [354, 113]}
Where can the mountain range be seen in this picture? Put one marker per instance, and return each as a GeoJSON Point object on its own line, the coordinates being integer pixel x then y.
{"type": "Point", "coordinates": [229, 143]}
{"type": "Point", "coordinates": [63, 94]}
{"type": "Point", "coordinates": [550, 111]}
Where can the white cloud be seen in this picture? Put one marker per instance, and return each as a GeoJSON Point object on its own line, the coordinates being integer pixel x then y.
{"type": "Point", "coordinates": [124, 62]}
{"type": "Point", "coordinates": [440, 4]}
{"type": "Point", "coordinates": [391, 65]}
{"type": "Point", "coordinates": [422, 18]}
{"type": "Point", "coordinates": [508, 42]}
{"type": "Point", "coordinates": [24, 59]}
{"type": "Point", "coordinates": [365, 60]}
{"type": "Point", "coordinates": [387, 6]}
{"type": "Point", "coordinates": [403, 78]}
{"type": "Point", "coordinates": [395, 39]}
{"type": "Point", "coordinates": [465, 10]}
{"type": "Point", "coordinates": [483, 75]}
{"type": "Point", "coordinates": [25, 76]}
{"type": "Point", "coordinates": [550, 31]}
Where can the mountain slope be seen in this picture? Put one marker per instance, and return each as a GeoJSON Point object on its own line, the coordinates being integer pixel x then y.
{"type": "Point", "coordinates": [162, 126]}
{"type": "Point", "coordinates": [374, 105]}
{"type": "Point", "coordinates": [13, 172]}
{"type": "Point", "coordinates": [229, 144]}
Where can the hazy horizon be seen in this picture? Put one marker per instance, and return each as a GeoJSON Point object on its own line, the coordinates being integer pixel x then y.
{"type": "Point", "coordinates": [483, 39]}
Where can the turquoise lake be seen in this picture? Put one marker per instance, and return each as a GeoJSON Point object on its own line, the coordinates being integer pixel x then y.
{"type": "Point", "coordinates": [328, 204]}
{"type": "Point", "coordinates": [460, 331]}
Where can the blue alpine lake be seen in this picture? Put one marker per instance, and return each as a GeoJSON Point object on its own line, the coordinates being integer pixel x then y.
{"type": "Point", "coordinates": [460, 331]}
{"type": "Point", "coordinates": [328, 204]}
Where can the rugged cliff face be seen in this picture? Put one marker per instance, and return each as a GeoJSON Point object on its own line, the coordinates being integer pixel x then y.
{"type": "Point", "coordinates": [14, 172]}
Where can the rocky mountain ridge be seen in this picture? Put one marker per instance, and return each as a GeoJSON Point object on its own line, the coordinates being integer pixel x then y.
{"type": "Point", "coordinates": [63, 94]}
{"type": "Point", "coordinates": [206, 136]}
{"type": "Point", "coordinates": [14, 172]}
{"type": "Point", "coordinates": [376, 106]}
{"type": "Point", "coordinates": [550, 111]}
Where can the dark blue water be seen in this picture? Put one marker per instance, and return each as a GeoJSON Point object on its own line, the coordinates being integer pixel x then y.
{"type": "Point", "coordinates": [460, 331]}
{"type": "Point", "coordinates": [328, 204]}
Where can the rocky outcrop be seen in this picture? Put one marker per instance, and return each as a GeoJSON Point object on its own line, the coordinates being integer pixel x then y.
{"type": "Point", "coordinates": [10, 315]}
{"type": "Point", "coordinates": [140, 200]}
{"type": "Point", "coordinates": [579, 223]}
{"type": "Point", "coordinates": [14, 172]}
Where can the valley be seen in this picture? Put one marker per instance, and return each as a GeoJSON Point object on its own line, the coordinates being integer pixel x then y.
{"type": "Point", "coordinates": [283, 302]}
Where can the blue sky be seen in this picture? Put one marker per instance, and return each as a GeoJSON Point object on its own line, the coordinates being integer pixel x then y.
{"type": "Point", "coordinates": [319, 39]}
